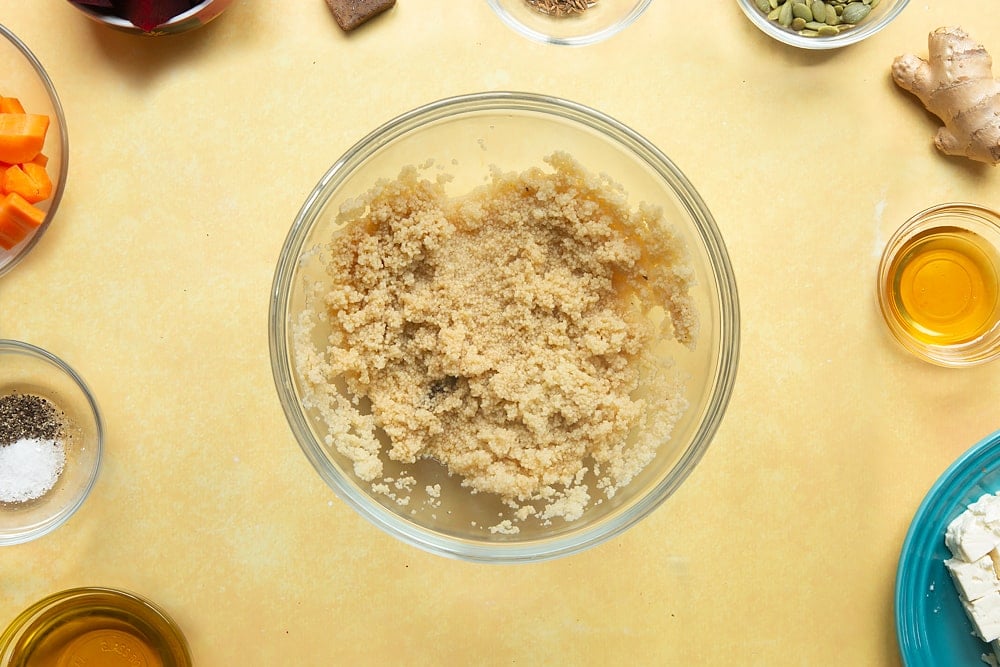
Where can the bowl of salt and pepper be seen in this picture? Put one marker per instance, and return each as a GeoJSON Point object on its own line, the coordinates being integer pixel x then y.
{"type": "Point", "coordinates": [51, 436]}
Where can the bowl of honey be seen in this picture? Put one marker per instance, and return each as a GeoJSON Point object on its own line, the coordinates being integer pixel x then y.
{"type": "Point", "coordinates": [939, 284]}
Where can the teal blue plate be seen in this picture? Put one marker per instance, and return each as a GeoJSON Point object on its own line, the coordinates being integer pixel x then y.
{"type": "Point", "coordinates": [931, 625]}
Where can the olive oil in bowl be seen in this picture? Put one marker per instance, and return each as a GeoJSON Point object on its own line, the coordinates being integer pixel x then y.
{"type": "Point", "coordinates": [93, 626]}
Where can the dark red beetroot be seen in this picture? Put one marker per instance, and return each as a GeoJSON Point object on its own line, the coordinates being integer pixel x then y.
{"type": "Point", "coordinates": [147, 15]}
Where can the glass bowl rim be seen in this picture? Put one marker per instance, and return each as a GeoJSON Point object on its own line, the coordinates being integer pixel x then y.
{"type": "Point", "coordinates": [59, 183]}
{"type": "Point", "coordinates": [577, 40]}
{"type": "Point", "coordinates": [862, 32]}
{"type": "Point", "coordinates": [701, 220]}
{"type": "Point", "coordinates": [56, 520]}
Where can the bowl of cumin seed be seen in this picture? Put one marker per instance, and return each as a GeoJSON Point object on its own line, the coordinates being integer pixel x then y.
{"type": "Point", "coordinates": [568, 22]}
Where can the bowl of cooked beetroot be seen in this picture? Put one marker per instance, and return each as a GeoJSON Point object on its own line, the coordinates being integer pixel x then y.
{"type": "Point", "coordinates": [160, 17]}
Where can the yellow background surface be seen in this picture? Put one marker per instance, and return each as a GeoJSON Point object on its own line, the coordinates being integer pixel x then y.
{"type": "Point", "coordinates": [191, 155]}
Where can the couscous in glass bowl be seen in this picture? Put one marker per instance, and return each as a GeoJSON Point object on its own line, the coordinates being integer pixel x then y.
{"type": "Point", "coordinates": [458, 143]}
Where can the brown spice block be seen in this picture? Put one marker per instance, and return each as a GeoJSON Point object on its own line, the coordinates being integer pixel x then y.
{"type": "Point", "coordinates": [349, 14]}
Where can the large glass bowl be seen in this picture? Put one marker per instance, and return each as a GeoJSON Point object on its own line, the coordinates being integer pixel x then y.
{"type": "Point", "coordinates": [514, 131]}
{"type": "Point", "coordinates": [22, 76]}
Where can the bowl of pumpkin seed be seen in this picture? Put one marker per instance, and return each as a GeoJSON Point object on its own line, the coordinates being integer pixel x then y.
{"type": "Point", "coordinates": [821, 24]}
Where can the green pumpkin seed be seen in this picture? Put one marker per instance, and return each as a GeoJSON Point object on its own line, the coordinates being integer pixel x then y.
{"type": "Point", "coordinates": [854, 12]}
{"type": "Point", "coordinates": [802, 11]}
{"type": "Point", "coordinates": [819, 11]}
{"type": "Point", "coordinates": [816, 18]}
{"type": "Point", "coordinates": [785, 14]}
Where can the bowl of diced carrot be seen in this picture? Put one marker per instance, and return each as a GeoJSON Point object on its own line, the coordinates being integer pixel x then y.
{"type": "Point", "coordinates": [33, 150]}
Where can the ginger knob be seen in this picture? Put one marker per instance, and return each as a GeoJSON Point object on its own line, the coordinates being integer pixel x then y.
{"type": "Point", "coordinates": [956, 84]}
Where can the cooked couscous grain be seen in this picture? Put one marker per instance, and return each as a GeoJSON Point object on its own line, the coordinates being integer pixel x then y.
{"type": "Point", "coordinates": [506, 333]}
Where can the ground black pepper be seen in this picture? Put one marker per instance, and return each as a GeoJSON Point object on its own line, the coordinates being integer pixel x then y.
{"type": "Point", "coordinates": [27, 416]}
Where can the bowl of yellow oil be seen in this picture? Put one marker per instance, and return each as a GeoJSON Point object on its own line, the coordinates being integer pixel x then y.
{"type": "Point", "coordinates": [939, 284]}
{"type": "Point", "coordinates": [93, 626]}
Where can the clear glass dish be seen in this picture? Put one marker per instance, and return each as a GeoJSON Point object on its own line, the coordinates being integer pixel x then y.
{"type": "Point", "coordinates": [26, 369]}
{"type": "Point", "coordinates": [22, 76]}
{"type": "Point", "coordinates": [601, 20]}
{"type": "Point", "coordinates": [93, 625]}
{"type": "Point", "coordinates": [973, 221]}
{"type": "Point", "coordinates": [879, 17]}
{"type": "Point", "coordinates": [514, 131]}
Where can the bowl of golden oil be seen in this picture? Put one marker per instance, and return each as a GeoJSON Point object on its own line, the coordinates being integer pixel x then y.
{"type": "Point", "coordinates": [939, 284]}
{"type": "Point", "coordinates": [93, 626]}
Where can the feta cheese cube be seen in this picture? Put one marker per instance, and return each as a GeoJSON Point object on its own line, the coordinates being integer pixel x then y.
{"type": "Point", "coordinates": [985, 615]}
{"type": "Point", "coordinates": [988, 507]}
{"type": "Point", "coordinates": [969, 537]}
{"type": "Point", "coordinates": [973, 580]}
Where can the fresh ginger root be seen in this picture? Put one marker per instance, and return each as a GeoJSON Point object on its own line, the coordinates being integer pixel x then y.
{"type": "Point", "coordinates": [956, 84]}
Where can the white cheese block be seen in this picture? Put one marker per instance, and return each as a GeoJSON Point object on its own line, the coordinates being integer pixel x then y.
{"type": "Point", "coordinates": [988, 507]}
{"type": "Point", "coordinates": [973, 580]}
{"type": "Point", "coordinates": [976, 531]}
{"type": "Point", "coordinates": [985, 615]}
{"type": "Point", "coordinates": [969, 538]}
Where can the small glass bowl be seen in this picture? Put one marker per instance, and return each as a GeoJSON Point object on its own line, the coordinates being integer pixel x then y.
{"type": "Point", "coordinates": [513, 131]}
{"type": "Point", "coordinates": [980, 228]}
{"type": "Point", "coordinates": [68, 628]}
{"type": "Point", "coordinates": [26, 79]}
{"type": "Point", "coordinates": [193, 18]}
{"type": "Point", "coordinates": [879, 17]}
{"type": "Point", "coordinates": [26, 369]}
{"type": "Point", "coordinates": [600, 21]}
